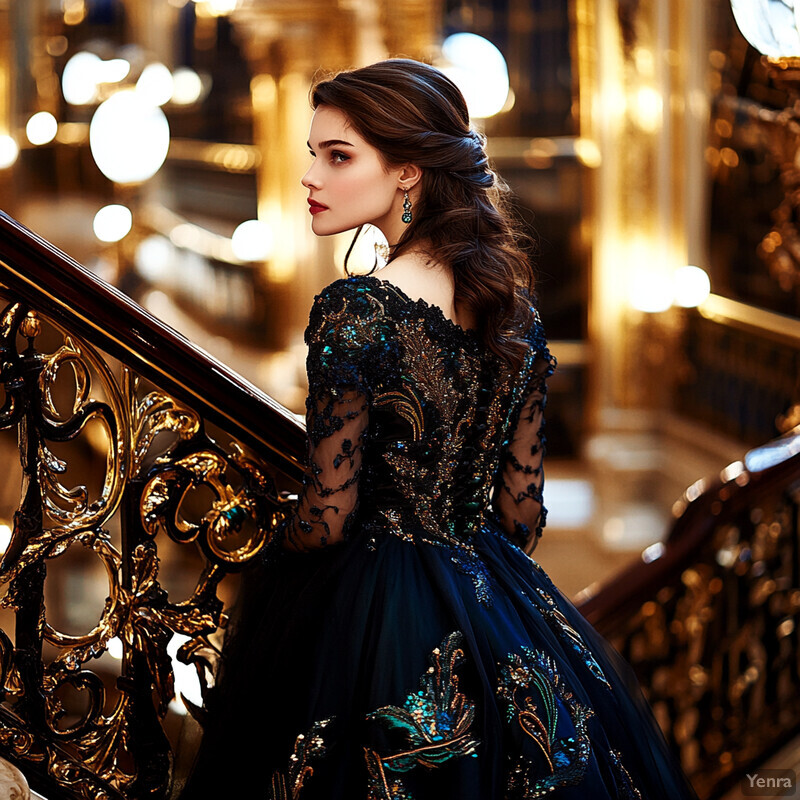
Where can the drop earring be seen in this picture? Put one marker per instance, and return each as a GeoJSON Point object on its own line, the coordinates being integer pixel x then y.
{"type": "Point", "coordinates": [406, 207]}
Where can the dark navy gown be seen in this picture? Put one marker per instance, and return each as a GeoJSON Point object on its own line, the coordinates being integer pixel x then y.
{"type": "Point", "coordinates": [402, 645]}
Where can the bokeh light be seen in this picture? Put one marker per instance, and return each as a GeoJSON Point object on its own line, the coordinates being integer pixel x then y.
{"type": "Point", "coordinates": [155, 84]}
{"type": "Point", "coordinates": [112, 223]}
{"type": "Point", "coordinates": [9, 150]}
{"type": "Point", "coordinates": [129, 137]}
{"type": "Point", "coordinates": [187, 86]}
{"type": "Point", "coordinates": [114, 70]}
{"type": "Point", "coordinates": [692, 286]}
{"type": "Point", "coordinates": [651, 292]}
{"type": "Point", "coordinates": [252, 241]}
{"type": "Point", "coordinates": [79, 79]}
{"type": "Point", "coordinates": [115, 648]}
{"type": "Point", "coordinates": [153, 258]}
{"type": "Point", "coordinates": [479, 70]}
{"type": "Point", "coordinates": [42, 128]}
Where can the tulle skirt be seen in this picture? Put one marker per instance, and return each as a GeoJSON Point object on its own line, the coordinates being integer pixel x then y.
{"type": "Point", "coordinates": [391, 668]}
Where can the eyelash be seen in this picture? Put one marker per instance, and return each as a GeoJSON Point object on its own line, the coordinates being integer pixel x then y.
{"type": "Point", "coordinates": [337, 156]}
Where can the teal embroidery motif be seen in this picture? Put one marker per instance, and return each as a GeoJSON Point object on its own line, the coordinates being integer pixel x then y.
{"type": "Point", "coordinates": [535, 698]}
{"type": "Point", "coordinates": [436, 721]}
{"type": "Point", "coordinates": [558, 622]}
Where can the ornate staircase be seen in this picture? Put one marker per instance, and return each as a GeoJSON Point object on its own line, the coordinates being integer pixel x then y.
{"type": "Point", "coordinates": [190, 458]}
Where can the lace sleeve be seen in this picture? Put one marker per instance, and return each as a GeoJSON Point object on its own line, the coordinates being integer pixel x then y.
{"type": "Point", "coordinates": [340, 336]}
{"type": "Point", "coordinates": [518, 489]}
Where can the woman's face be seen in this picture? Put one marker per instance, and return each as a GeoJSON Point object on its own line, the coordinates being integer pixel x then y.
{"type": "Point", "coordinates": [348, 184]}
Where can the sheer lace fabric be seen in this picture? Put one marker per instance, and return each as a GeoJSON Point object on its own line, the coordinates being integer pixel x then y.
{"type": "Point", "coordinates": [337, 430]}
{"type": "Point", "coordinates": [518, 500]}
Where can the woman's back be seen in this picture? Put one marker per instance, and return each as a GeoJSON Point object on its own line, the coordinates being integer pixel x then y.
{"type": "Point", "coordinates": [441, 413]}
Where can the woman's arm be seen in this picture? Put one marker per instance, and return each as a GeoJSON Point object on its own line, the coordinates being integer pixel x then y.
{"type": "Point", "coordinates": [517, 500]}
{"type": "Point", "coordinates": [337, 430]}
{"type": "Point", "coordinates": [342, 338]}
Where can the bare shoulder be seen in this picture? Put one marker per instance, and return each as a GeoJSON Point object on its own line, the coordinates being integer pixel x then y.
{"type": "Point", "coordinates": [419, 281]}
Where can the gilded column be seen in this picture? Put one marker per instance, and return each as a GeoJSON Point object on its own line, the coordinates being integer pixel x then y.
{"type": "Point", "coordinates": [642, 104]}
{"type": "Point", "coordinates": [287, 43]}
{"type": "Point", "coordinates": [6, 61]}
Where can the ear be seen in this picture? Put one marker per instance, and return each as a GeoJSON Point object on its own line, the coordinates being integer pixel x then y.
{"type": "Point", "coordinates": [409, 176]}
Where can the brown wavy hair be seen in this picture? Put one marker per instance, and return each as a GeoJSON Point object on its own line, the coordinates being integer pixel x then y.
{"type": "Point", "coordinates": [412, 113]}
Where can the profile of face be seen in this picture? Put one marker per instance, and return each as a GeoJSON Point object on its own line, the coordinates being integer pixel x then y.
{"type": "Point", "coordinates": [348, 183]}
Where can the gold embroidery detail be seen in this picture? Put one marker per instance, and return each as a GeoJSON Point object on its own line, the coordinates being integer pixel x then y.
{"type": "Point", "coordinates": [437, 721]}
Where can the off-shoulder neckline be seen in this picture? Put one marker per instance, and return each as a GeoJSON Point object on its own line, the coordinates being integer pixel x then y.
{"type": "Point", "coordinates": [432, 309]}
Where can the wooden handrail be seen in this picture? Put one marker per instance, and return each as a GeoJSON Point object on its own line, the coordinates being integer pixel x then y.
{"type": "Point", "coordinates": [40, 274]}
{"type": "Point", "coordinates": [688, 536]}
{"type": "Point", "coordinates": [708, 619]}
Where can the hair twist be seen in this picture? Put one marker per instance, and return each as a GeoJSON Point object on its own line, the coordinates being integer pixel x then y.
{"type": "Point", "coordinates": [412, 113]}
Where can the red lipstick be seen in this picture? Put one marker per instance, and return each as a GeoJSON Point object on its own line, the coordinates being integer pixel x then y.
{"type": "Point", "coordinates": [316, 207]}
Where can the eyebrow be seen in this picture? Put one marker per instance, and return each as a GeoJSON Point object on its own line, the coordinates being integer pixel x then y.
{"type": "Point", "coordinates": [330, 143]}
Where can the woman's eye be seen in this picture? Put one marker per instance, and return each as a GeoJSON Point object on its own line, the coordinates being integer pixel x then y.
{"type": "Point", "coordinates": [339, 158]}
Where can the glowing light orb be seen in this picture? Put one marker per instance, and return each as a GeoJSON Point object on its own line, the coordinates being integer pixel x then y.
{"type": "Point", "coordinates": [129, 137]}
{"type": "Point", "coordinates": [479, 70]}
{"type": "Point", "coordinates": [252, 241]}
{"type": "Point", "coordinates": [114, 648]}
{"type": "Point", "coordinates": [651, 292]}
{"type": "Point", "coordinates": [79, 79]}
{"type": "Point", "coordinates": [9, 150]}
{"type": "Point", "coordinates": [692, 286]}
{"type": "Point", "coordinates": [155, 84]}
{"type": "Point", "coordinates": [187, 86]}
{"type": "Point", "coordinates": [42, 128]}
{"type": "Point", "coordinates": [115, 70]}
{"type": "Point", "coordinates": [112, 223]}
{"type": "Point", "coordinates": [153, 258]}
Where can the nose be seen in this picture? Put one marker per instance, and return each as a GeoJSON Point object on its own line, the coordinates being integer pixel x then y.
{"type": "Point", "coordinates": [308, 180]}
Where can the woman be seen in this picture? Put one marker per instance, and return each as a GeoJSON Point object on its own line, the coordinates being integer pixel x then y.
{"type": "Point", "coordinates": [402, 644]}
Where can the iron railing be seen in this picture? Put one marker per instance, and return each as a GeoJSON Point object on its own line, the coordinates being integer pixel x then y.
{"type": "Point", "coordinates": [81, 363]}
{"type": "Point", "coordinates": [710, 620]}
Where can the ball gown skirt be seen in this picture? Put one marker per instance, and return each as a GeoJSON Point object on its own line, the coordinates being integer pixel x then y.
{"type": "Point", "coordinates": [373, 670]}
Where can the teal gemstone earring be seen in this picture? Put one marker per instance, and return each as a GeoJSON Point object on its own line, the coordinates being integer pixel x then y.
{"type": "Point", "coordinates": [406, 208]}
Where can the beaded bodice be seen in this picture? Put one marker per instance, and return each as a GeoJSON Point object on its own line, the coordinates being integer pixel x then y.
{"type": "Point", "coordinates": [415, 428]}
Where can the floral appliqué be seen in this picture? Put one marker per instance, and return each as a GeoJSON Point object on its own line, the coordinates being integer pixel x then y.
{"type": "Point", "coordinates": [536, 698]}
{"type": "Point", "coordinates": [436, 722]}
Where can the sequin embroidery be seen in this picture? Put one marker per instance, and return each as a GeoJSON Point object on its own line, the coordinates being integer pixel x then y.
{"type": "Point", "coordinates": [308, 747]}
{"type": "Point", "coordinates": [558, 622]}
{"type": "Point", "coordinates": [537, 700]}
{"type": "Point", "coordinates": [436, 722]}
{"type": "Point", "coordinates": [415, 429]}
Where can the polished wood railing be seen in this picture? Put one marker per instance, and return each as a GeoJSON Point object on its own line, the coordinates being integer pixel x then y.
{"type": "Point", "coordinates": [190, 454]}
{"type": "Point", "coordinates": [710, 618]}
